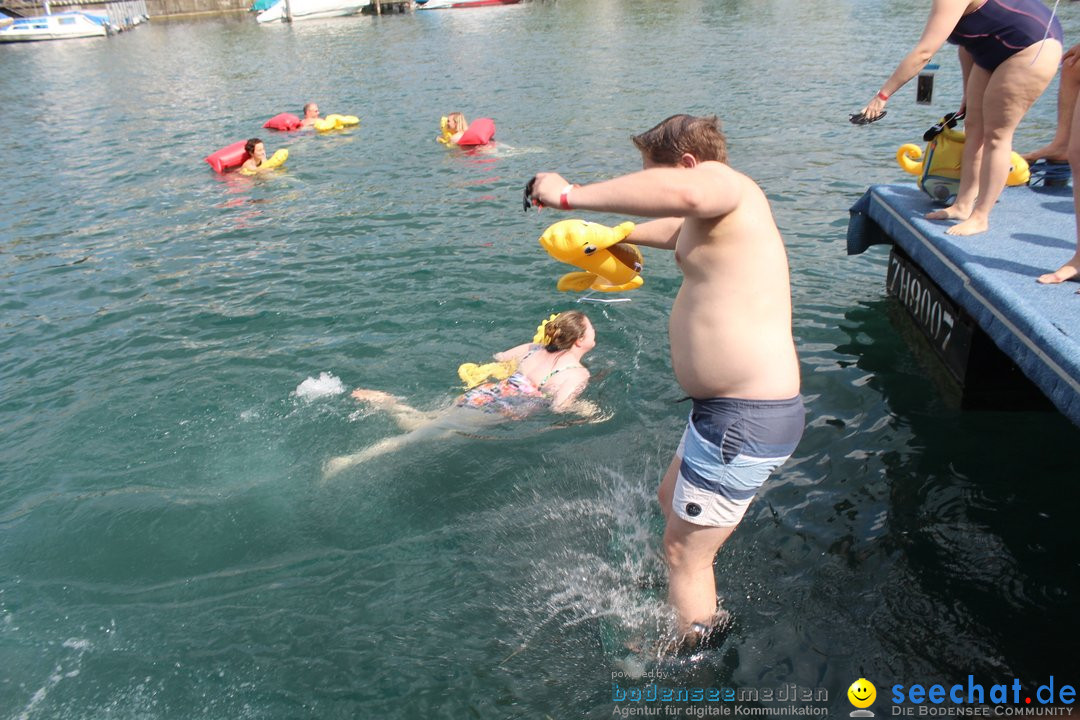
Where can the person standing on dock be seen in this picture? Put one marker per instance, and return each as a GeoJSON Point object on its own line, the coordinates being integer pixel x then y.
{"type": "Point", "coordinates": [1065, 147]}
{"type": "Point", "coordinates": [1009, 53]}
{"type": "Point", "coordinates": [730, 332]}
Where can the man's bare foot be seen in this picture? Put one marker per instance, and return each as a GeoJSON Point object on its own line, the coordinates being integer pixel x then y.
{"type": "Point", "coordinates": [374, 397]}
{"type": "Point", "coordinates": [1051, 154]}
{"type": "Point", "coordinates": [971, 226]}
{"type": "Point", "coordinates": [950, 213]}
{"type": "Point", "coordinates": [700, 636]}
{"type": "Point", "coordinates": [1066, 272]}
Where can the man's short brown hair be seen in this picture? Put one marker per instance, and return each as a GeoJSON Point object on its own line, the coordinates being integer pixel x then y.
{"type": "Point", "coordinates": [666, 143]}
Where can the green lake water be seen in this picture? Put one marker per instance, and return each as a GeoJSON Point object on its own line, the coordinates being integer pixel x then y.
{"type": "Point", "coordinates": [168, 546]}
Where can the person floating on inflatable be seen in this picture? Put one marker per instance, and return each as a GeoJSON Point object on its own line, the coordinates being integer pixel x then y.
{"type": "Point", "coordinates": [311, 115]}
{"type": "Point", "coordinates": [257, 161]}
{"type": "Point", "coordinates": [457, 131]}
{"type": "Point", "coordinates": [312, 119]}
{"type": "Point", "coordinates": [242, 154]}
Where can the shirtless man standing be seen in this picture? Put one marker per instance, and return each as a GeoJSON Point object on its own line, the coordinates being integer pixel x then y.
{"type": "Point", "coordinates": [730, 335]}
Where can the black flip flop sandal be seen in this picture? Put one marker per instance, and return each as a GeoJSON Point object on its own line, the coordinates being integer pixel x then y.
{"type": "Point", "coordinates": [861, 119]}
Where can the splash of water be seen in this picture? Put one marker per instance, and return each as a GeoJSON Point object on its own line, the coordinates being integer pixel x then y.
{"type": "Point", "coordinates": [326, 385]}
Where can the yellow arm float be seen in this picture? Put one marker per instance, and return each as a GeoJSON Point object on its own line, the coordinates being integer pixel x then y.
{"type": "Point", "coordinates": [276, 160]}
{"type": "Point", "coordinates": [472, 374]}
{"type": "Point", "coordinates": [606, 265]}
{"type": "Point", "coordinates": [335, 122]}
{"type": "Point", "coordinates": [444, 128]}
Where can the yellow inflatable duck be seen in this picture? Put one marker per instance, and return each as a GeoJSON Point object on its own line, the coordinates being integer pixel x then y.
{"type": "Point", "coordinates": [276, 160]}
{"type": "Point", "coordinates": [472, 374]}
{"type": "Point", "coordinates": [335, 122]}
{"type": "Point", "coordinates": [608, 264]}
{"type": "Point", "coordinates": [939, 173]}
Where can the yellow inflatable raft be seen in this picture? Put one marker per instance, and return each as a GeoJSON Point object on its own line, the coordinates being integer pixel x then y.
{"type": "Point", "coordinates": [335, 122]}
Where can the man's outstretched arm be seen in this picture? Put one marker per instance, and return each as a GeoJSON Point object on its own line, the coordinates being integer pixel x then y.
{"type": "Point", "coordinates": [706, 190]}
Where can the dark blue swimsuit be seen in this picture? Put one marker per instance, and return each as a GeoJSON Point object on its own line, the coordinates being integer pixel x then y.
{"type": "Point", "coordinates": [1001, 28]}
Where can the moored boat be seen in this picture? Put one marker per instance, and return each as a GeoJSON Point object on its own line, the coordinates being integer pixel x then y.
{"type": "Point", "coordinates": [60, 26]}
{"type": "Point", "coordinates": [445, 4]}
{"type": "Point", "coordinates": [310, 9]}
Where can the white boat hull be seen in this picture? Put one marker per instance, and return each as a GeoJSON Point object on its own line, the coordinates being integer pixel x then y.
{"type": "Point", "coordinates": [444, 4]}
{"type": "Point", "coordinates": [62, 26]}
{"type": "Point", "coordinates": [311, 10]}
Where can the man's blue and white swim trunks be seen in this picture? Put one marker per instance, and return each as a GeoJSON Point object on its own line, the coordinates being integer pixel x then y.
{"type": "Point", "coordinates": [729, 449]}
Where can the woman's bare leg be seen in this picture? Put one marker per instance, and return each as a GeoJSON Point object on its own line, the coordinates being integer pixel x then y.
{"type": "Point", "coordinates": [1012, 89]}
{"type": "Point", "coordinates": [975, 81]}
{"type": "Point", "coordinates": [1068, 92]}
{"type": "Point", "coordinates": [1071, 268]}
{"type": "Point", "coordinates": [406, 416]}
{"type": "Point", "coordinates": [335, 465]}
{"type": "Point", "coordinates": [439, 425]}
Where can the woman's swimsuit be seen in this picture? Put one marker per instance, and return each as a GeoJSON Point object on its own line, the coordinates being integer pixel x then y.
{"type": "Point", "coordinates": [515, 397]}
{"type": "Point", "coordinates": [1001, 28]}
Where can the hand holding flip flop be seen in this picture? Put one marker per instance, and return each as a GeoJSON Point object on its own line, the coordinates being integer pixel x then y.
{"type": "Point", "coordinates": [874, 111]}
{"type": "Point", "coordinates": [550, 185]}
{"type": "Point", "coordinates": [527, 200]}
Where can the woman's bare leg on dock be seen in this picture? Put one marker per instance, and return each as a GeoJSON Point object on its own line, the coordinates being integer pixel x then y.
{"type": "Point", "coordinates": [1071, 268]}
{"type": "Point", "coordinates": [1068, 91]}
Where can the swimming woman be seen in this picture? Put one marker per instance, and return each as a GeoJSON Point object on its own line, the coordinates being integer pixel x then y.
{"type": "Point", "coordinates": [457, 125]}
{"type": "Point", "coordinates": [256, 156]}
{"type": "Point", "coordinates": [549, 375]}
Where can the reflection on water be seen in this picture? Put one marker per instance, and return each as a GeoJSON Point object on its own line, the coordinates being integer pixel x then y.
{"type": "Point", "coordinates": [166, 545]}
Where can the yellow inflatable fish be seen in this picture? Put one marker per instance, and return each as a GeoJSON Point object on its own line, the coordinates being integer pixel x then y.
{"type": "Point", "coordinates": [607, 264]}
{"type": "Point", "coordinates": [939, 173]}
{"type": "Point", "coordinates": [472, 374]}
{"type": "Point", "coordinates": [335, 122]}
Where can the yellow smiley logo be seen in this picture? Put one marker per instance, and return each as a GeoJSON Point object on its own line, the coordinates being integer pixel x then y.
{"type": "Point", "coordinates": [862, 693]}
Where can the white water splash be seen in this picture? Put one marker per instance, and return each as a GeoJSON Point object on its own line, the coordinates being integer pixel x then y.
{"type": "Point", "coordinates": [80, 646]}
{"type": "Point", "coordinates": [326, 385]}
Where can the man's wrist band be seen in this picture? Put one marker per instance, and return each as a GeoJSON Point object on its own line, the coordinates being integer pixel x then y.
{"type": "Point", "coordinates": [882, 96]}
{"type": "Point", "coordinates": [564, 198]}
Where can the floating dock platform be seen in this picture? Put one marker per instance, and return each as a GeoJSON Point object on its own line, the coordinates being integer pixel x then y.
{"type": "Point", "coordinates": [970, 294]}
